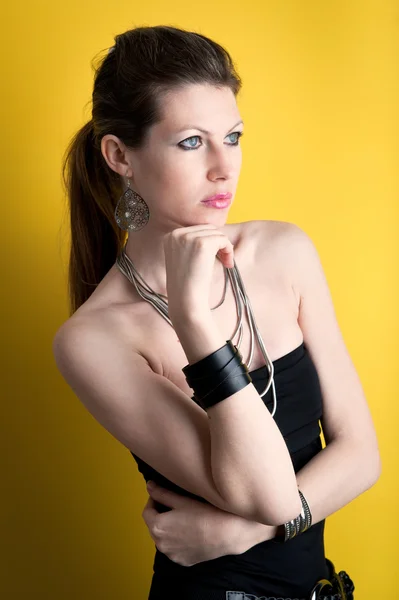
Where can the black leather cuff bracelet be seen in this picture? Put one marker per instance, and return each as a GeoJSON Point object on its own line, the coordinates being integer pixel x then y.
{"type": "Point", "coordinates": [224, 390]}
{"type": "Point", "coordinates": [218, 375]}
{"type": "Point", "coordinates": [211, 364]}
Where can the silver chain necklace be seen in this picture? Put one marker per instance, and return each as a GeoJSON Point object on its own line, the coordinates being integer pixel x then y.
{"type": "Point", "coordinates": [159, 302]}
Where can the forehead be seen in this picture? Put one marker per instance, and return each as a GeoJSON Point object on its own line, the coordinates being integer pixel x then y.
{"type": "Point", "coordinates": [205, 106]}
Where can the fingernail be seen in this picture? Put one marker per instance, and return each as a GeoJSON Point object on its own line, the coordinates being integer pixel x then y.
{"type": "Point", "coordinates": [150, 485]}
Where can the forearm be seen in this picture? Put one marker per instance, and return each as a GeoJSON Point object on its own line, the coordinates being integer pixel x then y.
{"type": "Point", "coordinates": [334, 477]}
{"type": "Point", "coordinates": [338, 474]}
{"type": "Point", "coordinates": [242, 432]}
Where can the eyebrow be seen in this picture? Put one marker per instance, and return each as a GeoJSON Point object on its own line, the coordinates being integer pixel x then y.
{"type": "Point", "coordinates": [204, 130]}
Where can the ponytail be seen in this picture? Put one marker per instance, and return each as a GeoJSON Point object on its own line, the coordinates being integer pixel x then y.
{"type": "Point", "coordinates": [93, 190]}
{"type": "Point", "coordinates": [129, 88]}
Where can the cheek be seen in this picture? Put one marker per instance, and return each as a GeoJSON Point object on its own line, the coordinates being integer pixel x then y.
{"type": "Point", "coordinates": [177, 174]}
{"type": "Point", "coordinates": [238, 158]}
{"type": "Point", "coordinates": [152, 176]}
{"type": "Point", "coordinates": [168, 183]}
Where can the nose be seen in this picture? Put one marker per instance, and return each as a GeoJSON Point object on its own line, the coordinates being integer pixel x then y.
{"type": "Point", "coordinates": [223, 164]}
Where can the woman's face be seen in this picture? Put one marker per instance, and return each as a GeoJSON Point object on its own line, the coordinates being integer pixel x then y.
{"type": "Point", "coordinates": [180, 165]}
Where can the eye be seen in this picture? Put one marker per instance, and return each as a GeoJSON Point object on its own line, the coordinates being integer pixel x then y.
{"type": "Point", "coordinates": [238, 134]}
{"type": "Point", "coordinates": [189, 140]}
{"type": "Point", "coordinates": [192, 145]}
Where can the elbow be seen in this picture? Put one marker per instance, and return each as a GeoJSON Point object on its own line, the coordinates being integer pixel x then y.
{"type": "Point", "coordinates": [282, 513]}
{"type": "Point", "coordinates": [271, 513]}
{"type": "Point", "coordinates": [367, 466]}
{"type": "Point", "coordinates": [374, 469]}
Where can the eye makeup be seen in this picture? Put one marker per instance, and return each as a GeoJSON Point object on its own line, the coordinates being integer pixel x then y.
{"type": "Point", "coordinates": [198, 137]}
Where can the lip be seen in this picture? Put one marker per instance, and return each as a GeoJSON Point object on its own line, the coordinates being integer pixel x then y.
{"type": "Point", "coordinates": [218, 201]}
{"type": "Point", "coordinates": [226, 196]}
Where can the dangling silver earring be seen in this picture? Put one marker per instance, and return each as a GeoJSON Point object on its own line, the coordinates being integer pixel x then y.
{"type": "Point", "coordinates": [131, 212]}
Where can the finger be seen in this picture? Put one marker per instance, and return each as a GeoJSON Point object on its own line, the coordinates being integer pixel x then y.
{"type": "Point", "coordinates": [164, 496]}
{"type": "Point", "coordinates": [189, 228]}
{"type": "Point", "coordinates": [183, 231]}
{"type": "Point", "coordinates": [225, 245]}
{"type": "Point", "coordinates": [207, 233]}
{"type": "Point", "coordinates": [197, 233]}
{"type": "Point", "coordinates": [150, 503]}
{"type": "Point", "coordinates": [150, 512]}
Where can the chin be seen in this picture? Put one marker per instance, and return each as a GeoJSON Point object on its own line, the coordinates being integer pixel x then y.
{"type": "Point", "coordinates": [215, 214]}
{"type": "Point", "coordinates": [207, 216]}
{"type": "Point", "coordinates": [218, 221]}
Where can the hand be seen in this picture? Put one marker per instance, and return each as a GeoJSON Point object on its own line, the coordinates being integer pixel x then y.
{"type": "Point", "coordinates": [192, 532]}
{"type": "Point", "coordinates": [189, 258]}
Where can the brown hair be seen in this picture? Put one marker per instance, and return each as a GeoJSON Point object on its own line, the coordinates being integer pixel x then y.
{"type": "Point", "coordinates": [145, 63]}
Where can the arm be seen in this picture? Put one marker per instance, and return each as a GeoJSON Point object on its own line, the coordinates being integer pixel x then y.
{"type": "Point", "coordinates": [268, 490]}
{"type": "Point", "coordinates": [350, 463]}
{"type": "Point", "coordinates": [332, 479]}
{"type": "Point", "coordinates": [149, 414]}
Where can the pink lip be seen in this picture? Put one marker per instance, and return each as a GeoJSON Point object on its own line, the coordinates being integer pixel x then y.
{"type": "Point", "coordinates": [226, 196]}
{"type": "Point", "coordinates": [218, 201]}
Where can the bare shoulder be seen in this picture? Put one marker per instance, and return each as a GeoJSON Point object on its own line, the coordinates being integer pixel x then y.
{"type": "Point", "coordinates": [105, 328]}
{"type": "Point", "coordinates": [277, 240]}
{"type": "Point", "coordinates": [280, 246]}
{"type": "Point", "coordinates": [293, 248]}
{"type": "Point", "coordinates": [273, 232]}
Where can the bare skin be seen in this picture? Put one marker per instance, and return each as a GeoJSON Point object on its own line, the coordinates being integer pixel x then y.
{"type": "Point", "coordinates": [258, 252]}
{"type": "Point", "coordinates": [205, 119]}
{"type": "Point", "coordinates": [288, 293]}
{"type": "Point", "coordinates": [267, 284]}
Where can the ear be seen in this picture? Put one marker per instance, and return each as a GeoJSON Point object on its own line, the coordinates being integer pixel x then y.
{"type": "Point", "coordinates": [116, 155]}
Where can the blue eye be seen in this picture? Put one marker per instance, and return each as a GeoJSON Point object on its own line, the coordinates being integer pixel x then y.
{"type": "Point", "coordinates": [193, 146]}
{"type": "Point", "coordinates": [190, 139]}
{"type": "Point", "coordinates": [238, 134]}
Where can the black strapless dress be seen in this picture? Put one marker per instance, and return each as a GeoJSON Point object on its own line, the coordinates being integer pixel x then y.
{"type": "Point", "coordinates": [270, 568]}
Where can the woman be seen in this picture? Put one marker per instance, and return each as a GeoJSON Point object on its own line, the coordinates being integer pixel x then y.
{"type": "Point", "coordinates": [227, 426]}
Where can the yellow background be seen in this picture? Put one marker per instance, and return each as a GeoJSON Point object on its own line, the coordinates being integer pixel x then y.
{"type": "Point", "coordinates": [320, 105]}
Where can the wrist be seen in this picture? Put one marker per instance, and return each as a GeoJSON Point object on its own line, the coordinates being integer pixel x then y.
{"type": "Point", "coordinates": [199, 336]}
{"type": "Point", "coordinates": [251, 533]}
